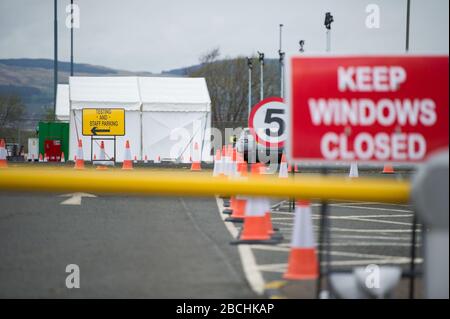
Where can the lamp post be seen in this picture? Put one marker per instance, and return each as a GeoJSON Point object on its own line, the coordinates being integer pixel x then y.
{"type": "Point", "coordinates": [250, 68]}
{"type": "Point", "coordinates": [328, 20]}
{"type": "Point", "coordinates": [281, 61]}
{"type": "Point", "coordinates": [261, 78]}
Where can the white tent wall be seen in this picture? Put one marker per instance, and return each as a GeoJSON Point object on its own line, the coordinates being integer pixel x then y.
{"type": "Point", "coordinates": [172, 135]}
{"type": "Point", "coordinates": [62, 103]}
{"type": "Point", "coordinates": [132, 130]}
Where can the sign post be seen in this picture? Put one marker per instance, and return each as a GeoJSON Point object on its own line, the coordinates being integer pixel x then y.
{"type": "Point", "coordinates": [103, 124]}
{"type": "Point", "coordinates": [368, 108]}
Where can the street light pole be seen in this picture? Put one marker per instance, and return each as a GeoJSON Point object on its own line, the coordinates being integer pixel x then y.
{"type": "Point", "coordinates": [328, 20]}
{"type": "Point", "coordinates": [261, 85]}
{"type": "Point", "coordinates": [55, 60]}
{"type": "Point", "coordinates": [281, 54]}
{"type": "Point", "coordinates": [250, 67]}
{"type": "Point", "coordinates": [71, 37]}
{"type": "Point", "coordinates": [408, 8]}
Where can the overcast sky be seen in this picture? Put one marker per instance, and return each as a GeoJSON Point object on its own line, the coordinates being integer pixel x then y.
{"type": "Point", "coordinates": [150, 35]}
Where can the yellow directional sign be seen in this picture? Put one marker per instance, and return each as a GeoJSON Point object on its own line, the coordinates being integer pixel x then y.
{"type": "Point", "coordinates": [103, 122]}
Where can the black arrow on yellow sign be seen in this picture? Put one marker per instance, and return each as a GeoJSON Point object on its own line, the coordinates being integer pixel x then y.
{"type": "Point", "coordinates": [95, 130]}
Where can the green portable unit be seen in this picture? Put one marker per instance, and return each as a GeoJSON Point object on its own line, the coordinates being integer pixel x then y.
{"type": "Point", "coordinates": [54, 131]}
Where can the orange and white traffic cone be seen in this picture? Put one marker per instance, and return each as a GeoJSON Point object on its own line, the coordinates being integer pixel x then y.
{"type": "Point", "coordinates": [45, 158]}
{"type": "Point", "coordinates": [41, 159]}
{"type": "Point", "coordinates": [217, 170]}
{"type": "Point", "coordinates": [296, 169]}
{"type": "Point", "coordinates": [255, 228]}
{"type": "Point", "coordinates": [157, 159]}
{"type": "Point", "coordinates": [388, 169]}
{"type": "Point", "coordinates": [283, 167]}
{"type": "Point", "coordinates": [127, 161]}
{"type": "Point", "coordinates": [302, 262]}
{"type": "Point", "coordinates": [135, 159]}
{"type": "Point", "coordinates": [79, 162]}
{"type": "Point", "coordinates": [145, 159]}
{"type": "Point", "coordinates": [237, 203]}
{"type": "Point", "coordinates": [102, 157]}
{"type": "Point", "coordinates": [196, 166]}
{"type": "Point", "coordinates": [353, 170]}
{"type": "Point", "coordinates": [63, 158]}
{"type": "Point", "coordinates": [3, 153]}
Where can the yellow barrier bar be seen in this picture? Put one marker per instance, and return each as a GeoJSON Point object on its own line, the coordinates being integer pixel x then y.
{"type": "Point", "coordinates": [141, 182]}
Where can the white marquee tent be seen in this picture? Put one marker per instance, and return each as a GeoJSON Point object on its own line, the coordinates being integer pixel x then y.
{"type": "Point", "coordinates": [164, 117]}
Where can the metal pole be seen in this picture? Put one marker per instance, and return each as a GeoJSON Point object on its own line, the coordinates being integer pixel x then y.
{"type": "Point", "coordinates": [412, 265]}
{"type": "Point", "coordinates": [71, 37]}
{"type": "Point", "coordinates": [281, 53]}
{"type": "Point", "coordinates": [328, 48]}
{"type": "Point", "coordinates": [55, 61]}
{"type": "Point", "coordinates": [408, 7]}
{"type": "Point", "coordinates": [324, 239]}
{"type": "Point", "coordinates": [328, 20]}
{"type": "Point", "coordinates": [250, 67]}
{"type": "Point", "coordinates": [261, 85]}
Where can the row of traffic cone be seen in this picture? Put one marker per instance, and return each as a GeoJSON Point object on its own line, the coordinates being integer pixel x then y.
{"type": "Point", "coordinates": [257, 227]}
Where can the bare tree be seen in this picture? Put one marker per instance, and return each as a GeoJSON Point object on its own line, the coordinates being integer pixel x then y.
{"type": "Point", "coordinates": [11, 109]}
{"type": "Point", "coordinates": [227, 82]}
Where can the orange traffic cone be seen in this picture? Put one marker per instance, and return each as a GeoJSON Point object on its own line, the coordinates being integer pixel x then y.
{"type": "Point", "coordinates": [296, 169]}
{"type": "Point", "coordinates": [302, 263]}
{"type": "Point", "coordinates": [157, 159]}
{"type": "Point", "coordinates": [388, 169]}
{"type": "Point", "coordinates": [63, 158]}
{"type": "Point", "coordinates": [283, 167]}
{"type": "Point", "coordinates": [45, 158]}
{"type": "Point", "coordinates": [196, 166]}
{"type": "Point", "coordinates": [41, 159]}
{"type": "Point", "coordinates": [79, 162]}
{"type": "Point", "coordinates": [127, 161]}
{"type": "Point", "coordinates": [3, 153]}
{"type": "Point", "coordinates": [255, 228]}
{"type": "Point", "coordinates": [145, 159]}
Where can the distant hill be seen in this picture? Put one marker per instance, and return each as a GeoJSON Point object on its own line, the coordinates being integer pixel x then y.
{"type": "Point", "coordinates": [32, 79]}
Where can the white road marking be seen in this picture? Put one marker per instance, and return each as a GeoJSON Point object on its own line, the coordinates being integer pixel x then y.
{"type": "Point", "coordinates": [375, 208]}
{"type": "Point", "coordinates": [251, 271]}
{"type": "Point", "coordinates": [379, 221]}
{"type": "Point", "coordinates": [75, 198]}
{"type": "Point", "coordinates": [281, 268]}
{"type": "Point", "coordinates": [372, 230]}
{"type": "Point", "coordinates": [366, 216]}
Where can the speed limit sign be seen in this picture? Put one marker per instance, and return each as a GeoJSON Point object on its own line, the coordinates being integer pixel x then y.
{"type": "Point", "coordinates": [267, 122]}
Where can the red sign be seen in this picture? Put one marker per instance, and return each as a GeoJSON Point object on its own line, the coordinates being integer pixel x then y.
{"type": "Point", "coordinates": [368, 108]}
{"type": "Point", "coordinates": [267, 122]}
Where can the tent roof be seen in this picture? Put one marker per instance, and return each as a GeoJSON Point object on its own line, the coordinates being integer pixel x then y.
{"type": "Point", "coordinates": [62, 102]}
{"type": "Point", "coordinates": [131, 92]}
{"type": "Point", "coordinates": [173, 90]}
{"type": "Point", "coordinates": [104, 89]}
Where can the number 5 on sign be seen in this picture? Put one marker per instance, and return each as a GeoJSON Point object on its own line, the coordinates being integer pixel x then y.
{"type": "Point", "coordinates": [267, 122]}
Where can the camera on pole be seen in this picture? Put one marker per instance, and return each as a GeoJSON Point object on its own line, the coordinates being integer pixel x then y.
{"type": "Point", "coordinates": [261, 57]}
{"type": "Point", "coordinates": [301, 43]}
{"type": "Point", "coordinates": [328, 20]}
